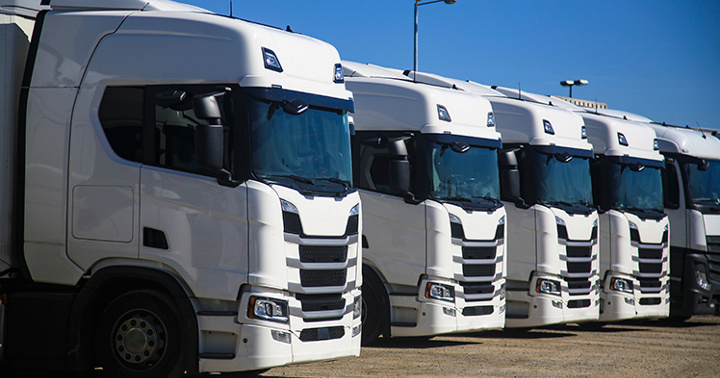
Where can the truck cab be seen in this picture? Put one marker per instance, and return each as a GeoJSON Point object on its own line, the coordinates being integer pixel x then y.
{"type": "Point", "coordinates": [692, 201]}
{"type": "Point", "coordinates": [425, 162]}
{"type": "Point", "coordinates": [178, 169]}
{"type": "Point", "coordinates": [634, 230]}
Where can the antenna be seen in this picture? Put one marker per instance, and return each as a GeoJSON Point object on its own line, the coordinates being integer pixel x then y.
{"type": "Point", "coordinates": [701, 130]}
{"type": "Point", "coordinates": [519, 92]}
{"type": "Point", "coordinates": [231, 8]}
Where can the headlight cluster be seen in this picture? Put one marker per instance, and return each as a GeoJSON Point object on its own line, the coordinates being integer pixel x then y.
{"type": "Point", "coordinates": [621, 284]}
{"type": "Point", "coordinates": [546, 286]}
{"type": "Point", "coordinates": [275, 310]}
{"type": "Point", "coordinates": [440, 291]}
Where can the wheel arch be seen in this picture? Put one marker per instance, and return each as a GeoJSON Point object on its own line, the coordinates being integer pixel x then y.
{"type": "Point", "coordinates": [102, 288]}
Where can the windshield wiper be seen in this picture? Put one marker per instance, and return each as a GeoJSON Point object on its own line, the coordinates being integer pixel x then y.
{"type": "Point", "coordinates": [564, 203]}
{"type": "Point", "coordinates": [458, 199]}
{"type": "Point", "coordinates": [334, 180]}
{"type": "Point", "coordinates": [635, 208]}
{"type": "Point", "coordinates": [488, 198]}
{"type": "Point", "coordinates": [295, 177]}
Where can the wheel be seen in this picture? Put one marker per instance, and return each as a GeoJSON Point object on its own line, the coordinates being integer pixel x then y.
{"type": "Point", "coordinates": [140, 335]}
{"type": "Point", "coordinates": [374, 308]}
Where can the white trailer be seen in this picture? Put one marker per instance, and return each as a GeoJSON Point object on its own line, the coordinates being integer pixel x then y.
{"type": "Point", "coordinates": [552, 247]}
{"type": "Point", "coordinates": [425, 162]}
{"type": "Point", "coordinates": [176, 192]}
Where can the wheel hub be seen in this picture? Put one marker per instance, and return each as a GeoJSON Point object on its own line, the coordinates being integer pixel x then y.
{"type": "Point", "coordinates": [139, 339]}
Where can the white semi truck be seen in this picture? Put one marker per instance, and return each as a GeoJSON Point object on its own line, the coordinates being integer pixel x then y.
{"type": "Point", "coordinates": [425, 162]}
{"type": "Point", "coordinates": [176, 192]}
{"type": "Point", "coordinates": [692, 202]}
{"type": "Point", "coordinates": [634, 230]}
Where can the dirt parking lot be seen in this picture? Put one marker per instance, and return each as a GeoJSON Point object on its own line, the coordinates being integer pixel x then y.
{"type": "Point", "coordinates": [629, 349]}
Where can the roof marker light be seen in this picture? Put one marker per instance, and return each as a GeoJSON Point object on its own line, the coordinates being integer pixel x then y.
{"type": "Point", "coordinates": [443, 113]}
{"type": "Point", "coordinates": [339, 77]}
{"type": "Point", "coordinates": [583, 133]}
{"type": "Point", "coordinates": [271, 60]}
{"type": "Point", "coordinates": [622, 140]}
{"type": "Point", "coordinates": [656, 145]}
{"type": "Point", "coordinates": [548, 127]}
{"type": "Point", "coordinates": [491, 120]}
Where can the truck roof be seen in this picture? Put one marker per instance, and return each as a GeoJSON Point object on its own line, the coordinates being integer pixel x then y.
{"type": "Point", "coordinates": [385, 99]}
{"type": "Point", "coordinates": [605, 132]}
{"type": "Point", "coordinates": [128, 46]}
{"type": "Point", "coordinates": [687, 141]}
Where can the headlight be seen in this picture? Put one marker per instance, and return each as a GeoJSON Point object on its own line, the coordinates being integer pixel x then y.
{"type": "Point", "coordinates": [546, 286]}
{"type": "Point", "coordinates": [357, 307]}
{"type": "Point", "coordinates": [355, 210]}
{"type": "Point", "coordinates": [288, 206]}
{"type": "Point", "coordinates": [275, 310]}
{"type": "Point", "coordinates": [621, 284]}
{"type": "Point", "coordinates": [454, 218]}
{"type": "Point", "coordinates": [701, 277]}
{"type": "Point", "coordinates": [440, 291]}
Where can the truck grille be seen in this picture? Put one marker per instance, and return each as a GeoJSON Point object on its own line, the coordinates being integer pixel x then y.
{"type": "Point", "coordinates": [323, 333]}
{"type": "Point", "coordinates": [713, 257]}
{"type": "Point", "coordinates": [478, 264]}
{"type": "Point", "coordinates": [479, 270]}
{"type": "Point", "coordinates": [479, 253]}
{"type": "Point", "coordinates": [323, 278]}
{"type": "Point", "coordinates": [578, 286]}
{"type": "Point", "coordinates": [478, 310]}
{"type": "Point", "coordinates": [323, 254]}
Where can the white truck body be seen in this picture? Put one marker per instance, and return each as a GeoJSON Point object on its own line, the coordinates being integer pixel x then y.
{"type": "Point", "coordinates": [552, 248]}
{"type": "Point", "coordinates": [634, 230]}
{"type": "Point", "coordinates": [119, 192]}
{"type": "Point", "coordinates": [435, 249]}
{"type": "Point", "coordinates": [692, 203]}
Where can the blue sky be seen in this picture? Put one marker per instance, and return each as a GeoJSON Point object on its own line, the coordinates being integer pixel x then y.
{"type": "Point", "coordinates": [659, 59]}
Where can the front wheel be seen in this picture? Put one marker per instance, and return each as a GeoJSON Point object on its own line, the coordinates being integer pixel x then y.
{"type": "Point", "coordinates": [140, 335]}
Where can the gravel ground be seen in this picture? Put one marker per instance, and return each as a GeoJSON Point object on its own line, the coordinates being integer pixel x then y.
{"type": "Point", "coordinates": [629, 349]}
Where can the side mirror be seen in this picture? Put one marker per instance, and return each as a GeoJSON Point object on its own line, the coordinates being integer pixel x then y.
{"type": "Point", "coordinates": [399, 166]}
{"type": "Point", "coordinates": [399, 176]}
{"type": "Point", "coordinates": [509, 176]}
{"type": "Point", "coordinates": [209, 144]}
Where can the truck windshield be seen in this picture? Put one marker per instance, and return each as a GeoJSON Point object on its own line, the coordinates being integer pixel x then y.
{"type": "Point", "coordinates": [704, 184]}
{"type": "Point", "coordinates": [309, 151]}
{"type": "Point", "coordinates": [563, 179]}
{"type": "Point", "coordinates": [635, 190]}
{"type": "Point", "coordinates": [465, 176]}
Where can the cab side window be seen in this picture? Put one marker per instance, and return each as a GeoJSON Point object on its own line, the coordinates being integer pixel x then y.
{"type": "Point", "coordinates": [155, 125]}
{"type": "Point", "coordinates": [121, 116]}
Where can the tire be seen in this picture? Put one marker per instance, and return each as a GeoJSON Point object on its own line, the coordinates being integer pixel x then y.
{"type": "Point", "coordinates": [140, 335]}
{"type": "Point", "coordinates": [374, 308]}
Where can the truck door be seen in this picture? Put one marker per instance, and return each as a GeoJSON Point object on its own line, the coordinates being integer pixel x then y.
{"type": "Point", "coordinates": [187, 219]}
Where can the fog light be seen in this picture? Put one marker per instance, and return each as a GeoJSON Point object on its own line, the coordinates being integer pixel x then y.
{"type": "Point", "coordinates": [630, 301]}
{"type": "Point", "coordinates": [449, 311]}
{"type": "Point", "coordinates": [356, 330]}
{"type": "Point", "coordinates": [502, 309]}
{"type": "Point", "coordinates": [281, 336]}
{"type": "Point", "coordinates": [557, 304]}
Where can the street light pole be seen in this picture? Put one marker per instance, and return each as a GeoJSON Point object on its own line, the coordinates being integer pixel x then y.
{"type": "Point", "coordinates": [415, 51]}
{"type": "Point", "coordinates": [571, 83]}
